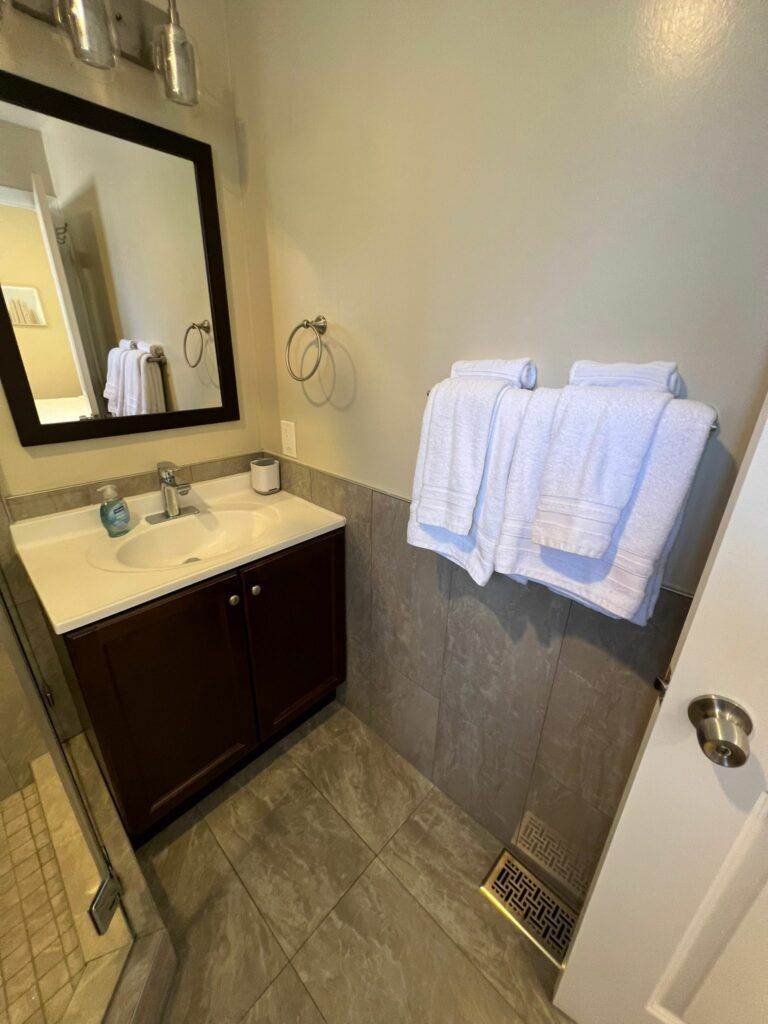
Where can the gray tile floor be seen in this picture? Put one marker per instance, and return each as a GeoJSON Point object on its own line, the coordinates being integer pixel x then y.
{"type": "Point", "coordinates": [331, 882]}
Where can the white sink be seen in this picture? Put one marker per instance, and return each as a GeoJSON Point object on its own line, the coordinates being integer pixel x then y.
{"type": "Point", "coordinates": [81, 575]}
{"type": "Point", "coordinates": [183, 541]}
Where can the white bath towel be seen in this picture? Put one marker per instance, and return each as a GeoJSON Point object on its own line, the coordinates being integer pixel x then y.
{"type": "Point", "coordinates": [658, 376]}
{"type": "Point", "coordinates": [461, 413]}
{"type": "Point", "coordinates": [625, 582]}
{"type": "Point", "coordinates": [600, 437]}
{"type": "Point", "coordinates": [521, 373]}
{"type": "Point", "coordinates": [475, 550]}
{"type": "Point", "coordinates": [129, 398]}
{"type": "Point", "coordinates": [114, 371]}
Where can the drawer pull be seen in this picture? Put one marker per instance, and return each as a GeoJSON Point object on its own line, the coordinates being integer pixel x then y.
{"type": "Point", "coordinates": [256, 590]}
{"type": "Point", "coordinates": [234, 600]}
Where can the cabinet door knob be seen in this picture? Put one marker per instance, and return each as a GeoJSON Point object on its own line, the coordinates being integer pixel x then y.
{"type": "Point", "coordinates": [234, 600]}
{"type": "Point", "coordinates": [256, 590]}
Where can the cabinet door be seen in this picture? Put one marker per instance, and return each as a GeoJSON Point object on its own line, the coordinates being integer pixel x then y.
{"type": "Point", "coordinates": [169, 695]}
{"type": "Point", "coordinates": [295, 611]}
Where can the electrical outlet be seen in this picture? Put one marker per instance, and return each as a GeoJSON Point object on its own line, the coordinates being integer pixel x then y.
{"type": "Point", "coordinates": [288, 433]}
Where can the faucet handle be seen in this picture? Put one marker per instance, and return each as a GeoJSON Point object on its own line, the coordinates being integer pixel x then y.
{"type": "Point", "coordinates": [167, 472]}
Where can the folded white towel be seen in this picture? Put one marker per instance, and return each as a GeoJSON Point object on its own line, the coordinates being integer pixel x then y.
{"type": "Point", "coordinates": [129, 397]}
{"type": "Point", "coordinates": [524, 483]}
{"type": "Point", "coordinates": [152, 398]}
{"type": "Point", "coordinates": [600, 437]}
{"type": "Point", "coordinates": [461, 413]}
{"type": "Point", "coordinates": [658, 376]}
{"type": "Point", "coordinates": [625, 582]}
{"type": "Point", "coordinates": [475, 551]}
{"type": "Point", "coordinates": [114, 385]}
{"type": "Point", "coordinates": [148, 347]}
{"type": "Point", "coordinates": [126, 343]}
{"type": "Point", "coordinates": [519, 372]}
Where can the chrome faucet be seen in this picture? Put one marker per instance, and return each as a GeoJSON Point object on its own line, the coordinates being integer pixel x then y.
{"type": "Point", "coordinates": [171, 490]}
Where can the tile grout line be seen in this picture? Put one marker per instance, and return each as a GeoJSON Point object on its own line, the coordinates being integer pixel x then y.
{"type": "Point", "coordinates": [544, 720]}
{"type": "Point", "coordinates": [453, 941]}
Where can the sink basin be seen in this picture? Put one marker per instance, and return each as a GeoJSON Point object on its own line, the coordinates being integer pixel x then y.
{"type": "Point", "coordinates": [178, 542]}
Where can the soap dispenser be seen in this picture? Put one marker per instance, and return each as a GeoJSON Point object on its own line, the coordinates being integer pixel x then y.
{"type": "Point", "coordinates": [115, 517]}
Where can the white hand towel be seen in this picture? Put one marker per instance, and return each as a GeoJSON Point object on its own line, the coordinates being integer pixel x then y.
{"type": "Point", "coordinates": [461, 413]}
{"type": "Point", "coordinates": [151, 394]}
{"type": "Point", "coordinates": [522, 493]}
{"type": "Point", "coordinates": [625, 583]}
{"type": "Point", "coordinates": [475, 551]}
{"type": "Point", "coordinates": [149, 348]}
{"type": "Point", "coordinates": [129, 397]}
{"type": "Point", "coordinates": [600, 437]}
{"type": "Point", "coordinates": [114, 385]}
{"type": "Point", "coordinates": [521, 373]}
{"type": "Point", "coordinates": [126, 343]}
{"type": "Point", "coordinates": [658, 376]}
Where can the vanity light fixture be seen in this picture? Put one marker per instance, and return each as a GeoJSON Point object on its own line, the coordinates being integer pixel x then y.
{"type": "Point", "coordinates": [91, 29]}
{"type": "Point", "coordinates": [175, 60]}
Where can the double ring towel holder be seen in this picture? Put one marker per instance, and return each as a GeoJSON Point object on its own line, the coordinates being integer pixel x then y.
{"type": "Point", "coordinates": [319, 325]}
{"type": "Point", "coordinates": [203, 328]}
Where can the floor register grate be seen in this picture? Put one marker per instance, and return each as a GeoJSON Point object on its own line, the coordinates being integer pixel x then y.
{"type": "Point", "coordinates": [529, 904]}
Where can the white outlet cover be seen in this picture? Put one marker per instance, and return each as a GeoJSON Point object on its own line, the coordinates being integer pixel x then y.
{"type": "Point", "coordinates": [288, 434]}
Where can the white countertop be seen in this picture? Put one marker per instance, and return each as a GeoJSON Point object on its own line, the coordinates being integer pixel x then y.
{"type": "Point", "coordinates": [65, 553]}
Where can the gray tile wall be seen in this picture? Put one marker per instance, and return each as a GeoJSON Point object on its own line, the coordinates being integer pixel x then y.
{"type": "Point", "coordinates": [510, 698]}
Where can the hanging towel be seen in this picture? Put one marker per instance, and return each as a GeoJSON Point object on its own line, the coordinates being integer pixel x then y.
{"type": "Point", "coordinates": [625, 582]}
{"type": "Point", "coordinates": [114, 371]}
{"type": "Point", "coordinates": [152, 397]}
{"type": "Point", "coordinates": [600, 437]}
{"type": "Point", "coordinates": [129, 397]}
{"type": "Point", "coordinates": [522, 492]}
{"type": "Point", "coordinates": [658, 376]}
{"type": "Point", "coordinates": [461, 413]}
{"type": "Point", "coordinates": [521, 373]}
{"type": "Point", "coordinates": [475, 550]}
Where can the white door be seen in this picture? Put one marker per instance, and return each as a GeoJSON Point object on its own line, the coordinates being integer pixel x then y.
{"type": "Point", "coordinates": [676, 926]}
{"type": "Point", "coordinates": [48, 231]}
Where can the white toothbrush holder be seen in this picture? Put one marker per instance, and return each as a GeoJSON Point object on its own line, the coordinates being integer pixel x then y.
{"type": "Point", "coordinates": [265, 476]}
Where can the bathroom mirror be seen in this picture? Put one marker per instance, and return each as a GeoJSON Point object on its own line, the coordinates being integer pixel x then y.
{"type": "Point", "coordinates": [113, 307]}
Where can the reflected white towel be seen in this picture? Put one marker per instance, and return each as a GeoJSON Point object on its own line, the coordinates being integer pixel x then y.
{"type": "Point", "coordinates": [658, 376]}
{"type": "Point", "coordinates": [521, 373]}
{"type": "Point", "coordinates": [126, 343]}
{"type": "Point", "coordinates": [457, 433]}
{"type": "Point", "coordinates": [114, 386]}
{"type": "Point", "coordinates": [152, 398]}
{"type": "Point", "coordinates": [600, 437]}
{"type": "Point", "coordinates": [625, 583]}
{"type": "Point", "coordinates": [475, 551]}
{"type": "Point", "coordinates": [129, 397]}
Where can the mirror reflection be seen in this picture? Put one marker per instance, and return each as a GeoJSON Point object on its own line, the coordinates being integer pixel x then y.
{"type": "Point", "coordinates": [103, 272]}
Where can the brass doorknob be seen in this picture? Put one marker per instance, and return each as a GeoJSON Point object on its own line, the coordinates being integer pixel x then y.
{"type": "Point", "coordinates": [234, 600]}
{"type": "Point", "coordinates": [723, 728]}
{"type": "Point", "coordinates": [256, 590]}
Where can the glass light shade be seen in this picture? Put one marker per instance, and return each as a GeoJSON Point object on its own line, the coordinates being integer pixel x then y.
{"type": "Point", "coordinates": [91, 30]}
{"type": "Point", "coordinates": [175, 60]}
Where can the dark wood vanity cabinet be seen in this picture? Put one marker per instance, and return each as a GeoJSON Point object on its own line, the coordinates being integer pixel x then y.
{"type": "Point", "coordinates": [181, 689]}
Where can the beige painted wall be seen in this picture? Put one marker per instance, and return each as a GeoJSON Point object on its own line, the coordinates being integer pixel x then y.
{"type": "Point", "coordinates": [45, 351]}
{"type": "Point", "coordinates": [21, 155]}
{"type": "Point", "coordinates": [32, 49]}
{"type": "Point", "coordinates": [473, 179]}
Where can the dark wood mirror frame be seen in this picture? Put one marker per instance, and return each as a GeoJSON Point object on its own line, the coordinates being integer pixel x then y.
{"type": "Point", "coordinates": [44, 100]}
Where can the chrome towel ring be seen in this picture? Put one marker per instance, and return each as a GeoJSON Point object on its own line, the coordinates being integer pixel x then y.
{"type": "Point", "coordinates": [204, 327]}
{"type": "Point", "coordinates": [319, 325]}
